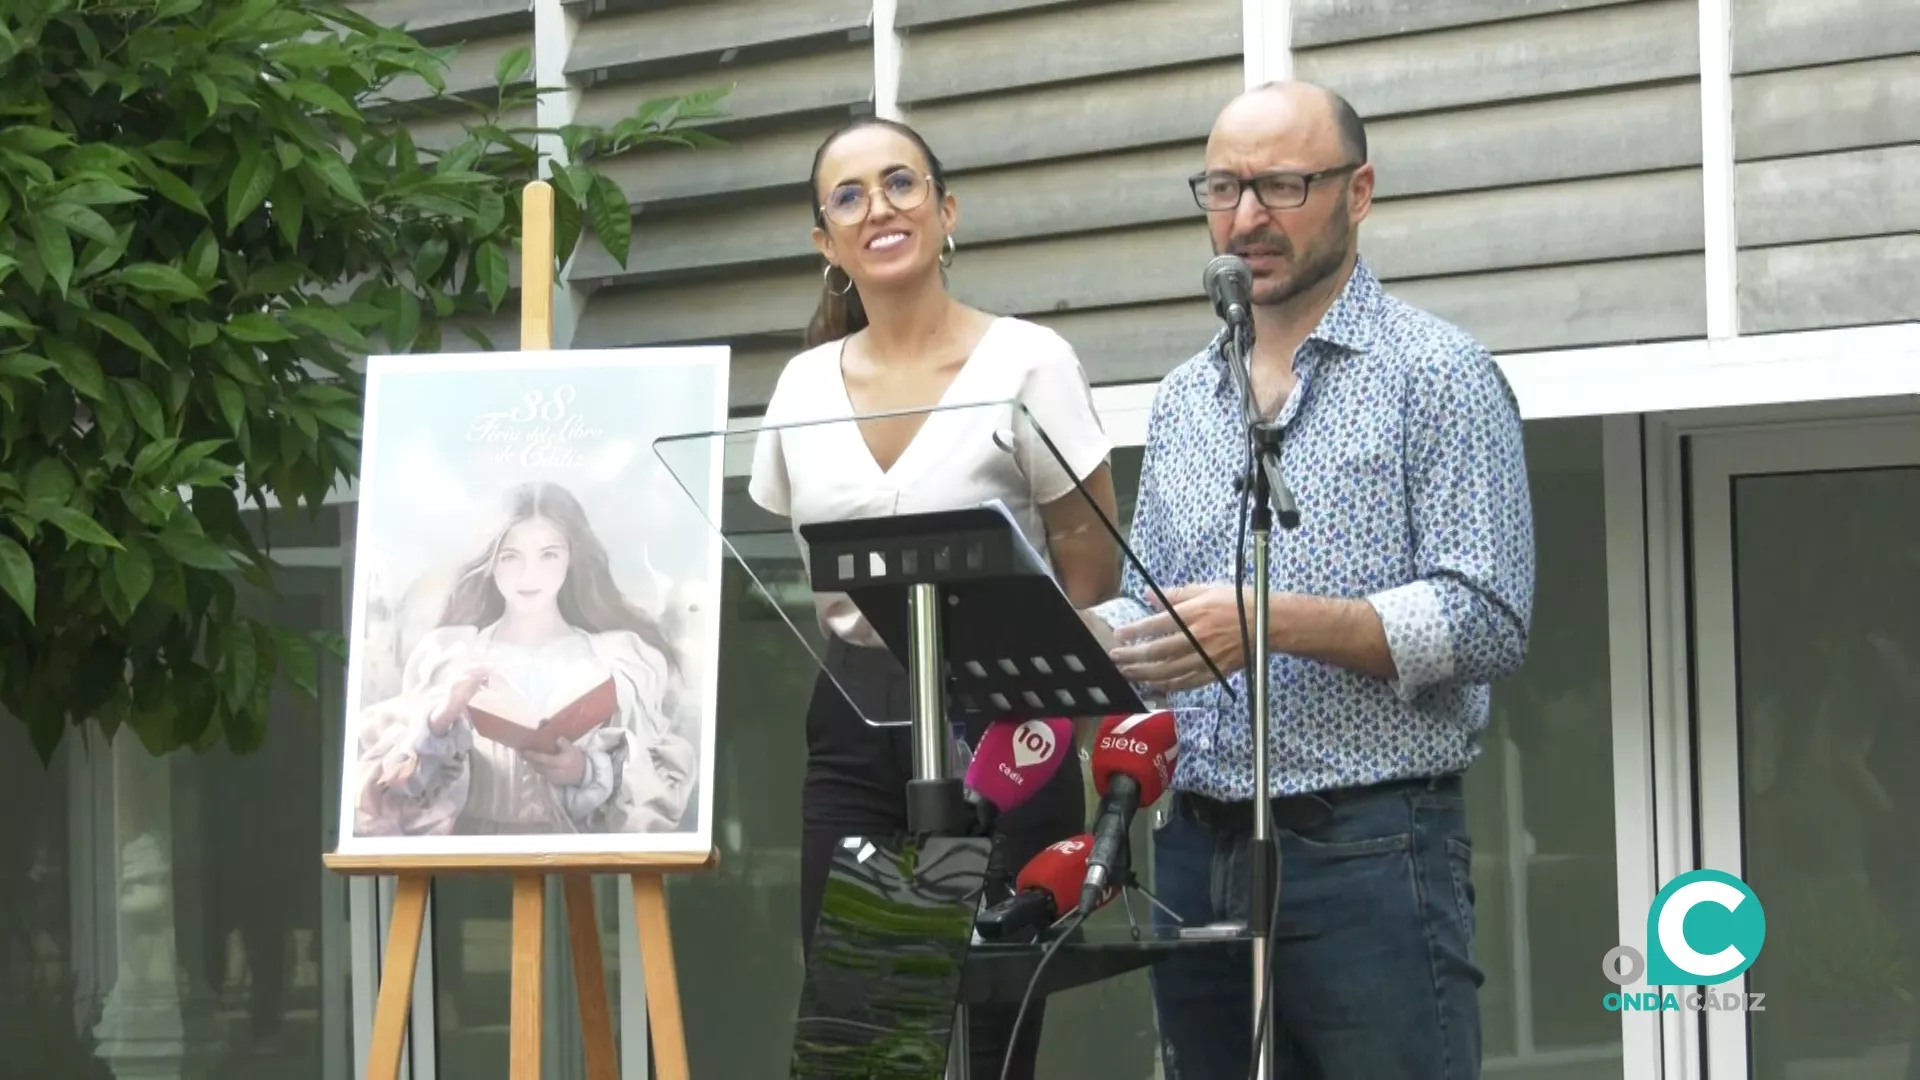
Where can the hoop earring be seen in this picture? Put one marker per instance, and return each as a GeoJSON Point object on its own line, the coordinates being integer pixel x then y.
{"type": "Point", "coordinates": [946, 257]}
{"type": "Point", "coordinates": [827, 276]}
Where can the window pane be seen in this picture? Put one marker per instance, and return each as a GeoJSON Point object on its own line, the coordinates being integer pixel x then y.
{"type": "Point", "coordinates": [1540, 796]}
{"type": "Point", "coordinates": [172, 913]}
{"type": "Point", "coordinates": [1829, 713]}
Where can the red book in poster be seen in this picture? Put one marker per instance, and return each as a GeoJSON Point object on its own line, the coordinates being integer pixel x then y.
{"type": "Point", "coordinates": [503, 714]}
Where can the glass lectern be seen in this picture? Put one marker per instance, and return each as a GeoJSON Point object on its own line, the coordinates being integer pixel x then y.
{"type": "Point", "coordinates": [964, 544]}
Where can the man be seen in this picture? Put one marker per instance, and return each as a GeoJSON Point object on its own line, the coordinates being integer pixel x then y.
{"type": "Point", "coordinates": [1405, 590]}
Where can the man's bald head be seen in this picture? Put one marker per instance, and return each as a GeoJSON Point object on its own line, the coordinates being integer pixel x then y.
{"type": "Point", "coordinates": [1286, 186]}
{"type": "Point", "coordinates": [1297, 110]}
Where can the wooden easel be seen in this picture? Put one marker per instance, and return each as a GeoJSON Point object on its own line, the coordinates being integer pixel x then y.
{"type": "Point", "coordinates": [647, 872]}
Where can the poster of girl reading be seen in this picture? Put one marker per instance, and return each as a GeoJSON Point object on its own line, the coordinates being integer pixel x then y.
{"type": "Point", "coordinates": [533, 640]}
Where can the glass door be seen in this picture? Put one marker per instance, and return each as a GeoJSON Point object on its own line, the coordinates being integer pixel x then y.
{"type": "Point", "coordinates": [1806, 641]}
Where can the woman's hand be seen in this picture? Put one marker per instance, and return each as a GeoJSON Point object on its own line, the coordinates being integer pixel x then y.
{"type": "Point", "coordinates": [457, 698]}
{"type": "Point", "coordinates": [565, 767]}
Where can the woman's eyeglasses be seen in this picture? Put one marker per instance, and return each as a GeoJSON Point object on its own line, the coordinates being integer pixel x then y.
{"type": "Point", "coordinates": [1276, 191]}
{"type": "Point", "coordinates": [849, 204]}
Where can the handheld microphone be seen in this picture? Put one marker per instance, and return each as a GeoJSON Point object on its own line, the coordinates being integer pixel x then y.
{"type": "Point", "coordinates": [1012, 763]}
{"type": "Point", "coordinates": [1047, 888]}
{"type": "Point", "coordinates": [1229, 285]}
{"type": "Point", "coordinates": [1132, 766]}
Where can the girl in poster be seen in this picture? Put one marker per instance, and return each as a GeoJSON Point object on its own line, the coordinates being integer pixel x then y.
{"type": "Point", "coordinates": [543, 701]}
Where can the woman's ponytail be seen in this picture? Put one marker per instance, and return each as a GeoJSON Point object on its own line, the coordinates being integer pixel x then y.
{"type": "Point", "coordinates": [839, 313]}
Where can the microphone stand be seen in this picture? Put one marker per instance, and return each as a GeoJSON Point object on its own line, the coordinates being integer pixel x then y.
{"type": "Point", "coordinates": [1269, 493]}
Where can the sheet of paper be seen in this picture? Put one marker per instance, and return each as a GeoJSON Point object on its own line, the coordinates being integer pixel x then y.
{"type": "Point", "coordinates": [1024, 553]}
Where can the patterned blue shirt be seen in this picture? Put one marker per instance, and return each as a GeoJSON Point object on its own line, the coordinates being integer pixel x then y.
{"type": "Point", "coordinates": [1402, 447]}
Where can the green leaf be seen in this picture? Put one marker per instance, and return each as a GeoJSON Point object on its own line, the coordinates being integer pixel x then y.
{"type": "Point", "coordinates": [289, 207]}
{"type": "Point", "coordinates": [32, 140]}
{"type": "Point", "coordinates": [145, 407]}
{"type": "Point", "coordinates": [611, 216]}
{"type": "Point", "coordinates": [428, 260]}
{"type": "Point", "coordinates": [49, 481]}
{"type": "Point", "coordinates": [75, 523]}
{"type": "Point", "coordinates": [16, 575]}
{"type": "Point", "coordinates": [512, 65]}
{"type": "Point", "coordinates": [233, 402]}
{"type": "Point", "coordinates": [175, 8]}
{"type": "Point", "coordinates": [133, 569]}
{"type": "Point", "coordinates": [98, 193]}
{"type": "Point", "coordinates": [203, 260]}
{"type": "Point", "coordinates": [78, 367]}
{"type": "Point", "coordinates": [156, 278]}
{"type": "Point", "coordinates": [241, 662]}
{"type": "Point", "coordinates": [10, 321]}
{"type": "Point", "coordinates": [80, 219]}
{"type": "Point", "coordinates": [153, 454]}
{"type": "Point", "coordinates": [171, 187]}
{"type": "Point", "coordinates": [405, 324]}
{"type": "Point", "coordinates": [299, 662]}
{"type": "Point", "coordinates": [195, 550]}
{"type": "Point", "coordinates": [124, 331]}
{"type": "Point", "coordinates": [98, 258]}
{"type": "Point", "coordinates": [314, 93]}
{"type": "Point", "coordinates": [256, 328]}
{"type": "Point", "coordinates": [209, 93]}
{"type": "Point", "coordinates": [491, 264]}
{"type": "Point", "coordinates": [25, 366]}
{"type": "Point", "coordinates": [252, 179]}
{"type": "Point", "coordinates": [178, 152]}
{"type": "Point", "coordinates": [334, 172]}
{"type": "Point", "coordinates": [55, 248]}
{"type": "Point", "coordinates": [329, 322]}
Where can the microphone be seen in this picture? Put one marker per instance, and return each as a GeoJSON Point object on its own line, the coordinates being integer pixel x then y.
{"type": "Point", "coordinates": [1010, 766]}
{"type": "Point", "coordinates": [1229, 285]}
{"type": "Point", "coordinates": [1047, 888]}
{"type": "Point", "coordinates": [1132, 765]}
{"type": "Point", "coordinates": [1012, 763]}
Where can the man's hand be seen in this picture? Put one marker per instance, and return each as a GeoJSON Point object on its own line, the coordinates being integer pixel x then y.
{"type": "Point", "coordinates": [1153, 652]}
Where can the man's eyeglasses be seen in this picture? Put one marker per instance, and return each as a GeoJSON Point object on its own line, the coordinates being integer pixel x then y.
{"type": "Point", "coordinates": [1276, 191]}
{"type": "Point", "coordinates": [848, 204]}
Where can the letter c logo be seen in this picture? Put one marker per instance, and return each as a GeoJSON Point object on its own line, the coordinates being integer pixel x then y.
{"type": "Point", "coordinates": [1704, 929]}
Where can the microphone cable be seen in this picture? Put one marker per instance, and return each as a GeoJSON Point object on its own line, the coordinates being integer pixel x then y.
{"type": "Point", "coordinates": [1026, 999]}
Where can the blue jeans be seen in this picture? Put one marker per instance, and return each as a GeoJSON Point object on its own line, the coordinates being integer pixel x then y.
{"type": "Point", "coordinates": [1374, 976]}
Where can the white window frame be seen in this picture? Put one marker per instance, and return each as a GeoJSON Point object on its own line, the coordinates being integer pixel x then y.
{"type": "Point", "coordinates": [1696, 454]}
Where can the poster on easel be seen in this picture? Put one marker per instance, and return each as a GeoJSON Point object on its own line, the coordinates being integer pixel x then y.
{"type": "Point", "coordinates": [534, 633]}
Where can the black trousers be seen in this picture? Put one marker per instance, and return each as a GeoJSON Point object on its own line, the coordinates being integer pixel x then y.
{"type": "Point", "coordinates": [856, 785]}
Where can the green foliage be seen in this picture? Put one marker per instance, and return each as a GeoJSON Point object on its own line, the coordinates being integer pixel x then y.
{"type": "Point", "coordinates": [208, 210]}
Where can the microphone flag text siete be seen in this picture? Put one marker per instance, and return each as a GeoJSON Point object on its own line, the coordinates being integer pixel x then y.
{"type": "Point", "coordinates": [1133, 759]}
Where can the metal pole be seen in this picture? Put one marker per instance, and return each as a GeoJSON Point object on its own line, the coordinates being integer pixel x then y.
{"type": "Point", "coordinates": [1262, 798]}
{"type": "Point", "coordinates": [929, 697]}
{"type": "Point", "coordinates": [926, 669]}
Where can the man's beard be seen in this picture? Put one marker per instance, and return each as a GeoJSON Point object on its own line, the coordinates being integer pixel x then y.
{"type": "Point", "coordinates": [1308, 267]}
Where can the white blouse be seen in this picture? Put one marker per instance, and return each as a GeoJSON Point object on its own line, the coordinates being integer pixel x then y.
{"type": "Point", "coordinates": [959, 458]}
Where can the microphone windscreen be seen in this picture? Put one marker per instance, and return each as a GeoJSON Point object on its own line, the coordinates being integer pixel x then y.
{"type": "Point", "coordinates": [1015, 760]}
{"type": "Point", "coordinates": [1228, 281]}
{"type": "Point", "coordinates": [1060, 869]}
{"type": "Point", "coordinates": [1143, 746]}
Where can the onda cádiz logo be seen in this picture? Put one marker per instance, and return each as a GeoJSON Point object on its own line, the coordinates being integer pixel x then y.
{"type": "Point", "coordinates": [1033, 743]}
{"type": "Point", "coordinates": [1704, 929]}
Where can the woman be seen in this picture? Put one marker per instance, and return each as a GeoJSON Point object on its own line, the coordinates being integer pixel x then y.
{"type": "Point", "coordinates": [535, 628]}
{"type": "Point", "coordinates": [888, 337]}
